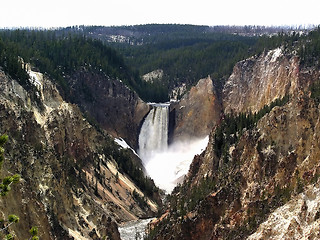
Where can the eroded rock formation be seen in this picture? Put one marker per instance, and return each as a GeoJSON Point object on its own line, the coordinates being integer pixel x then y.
{"type": "Point", "coordinates": [259, 80]}
{"type": "Point", "coordinates": [196, 113]}
{"type": "Point", "coordinates": [70, 185]}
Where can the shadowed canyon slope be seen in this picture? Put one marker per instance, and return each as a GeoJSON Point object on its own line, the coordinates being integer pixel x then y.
{"type": "Point", "coordinates": [115, 107]}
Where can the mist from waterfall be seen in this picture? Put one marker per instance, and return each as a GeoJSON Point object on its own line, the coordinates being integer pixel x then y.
{"type": "Point", "coordinates": [166, 165]}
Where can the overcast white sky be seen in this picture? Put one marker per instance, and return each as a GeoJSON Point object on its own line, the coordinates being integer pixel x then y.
{"type": "Point", "coordinates": [61, 13]}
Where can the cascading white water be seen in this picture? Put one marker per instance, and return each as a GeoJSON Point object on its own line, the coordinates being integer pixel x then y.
{"type": "Point", "coordinates": [154, 132]}
{"type": "Point", "coordinates": [166, 165]}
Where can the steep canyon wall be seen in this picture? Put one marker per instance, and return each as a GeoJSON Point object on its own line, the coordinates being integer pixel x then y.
{"type": "Point", "coordinates": [196, 113]}
{"type": "Point", "coordinates": [71, 186]}
{"type": "Point", "coordinates": [273, 163]}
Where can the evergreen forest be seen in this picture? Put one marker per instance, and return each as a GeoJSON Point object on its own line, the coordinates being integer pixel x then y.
{"type": "Point", "coordinates": [185, 53]}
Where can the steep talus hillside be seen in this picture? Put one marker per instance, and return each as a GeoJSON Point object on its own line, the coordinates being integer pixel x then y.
{"type": "Point", "coordinates": [196, 113]}
{"type": "Point", "coordinates": [111, 104]}
{"type": "Point", "coordinates": [258, 81]}
{"type": "Point", "coordinates": [71, 186]}
{"type": "Point", "coordinates": [259, 171]}
{"type": "Point", "coordinates": [297, 219]}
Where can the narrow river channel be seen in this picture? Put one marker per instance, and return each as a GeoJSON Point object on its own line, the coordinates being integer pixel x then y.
{"type": "Point", "coordinates": [135, 230]}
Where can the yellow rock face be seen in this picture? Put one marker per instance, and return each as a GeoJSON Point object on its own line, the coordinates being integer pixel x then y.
{"type": "Point", "coordinates": [258, 81]}
{"type": "Point", "coordinates": [197, 112]}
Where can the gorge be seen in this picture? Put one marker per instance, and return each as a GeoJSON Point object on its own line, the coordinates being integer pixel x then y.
{"type": "Point", "coordinates": [236, 157]}
{"type": "Point", "coordinates": [260, 159]}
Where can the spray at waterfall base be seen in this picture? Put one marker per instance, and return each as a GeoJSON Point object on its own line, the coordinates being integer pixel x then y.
{"type": "Point", "coordinates": [166, 165]}
{"type": "Point", "coordinates": [167, 168]}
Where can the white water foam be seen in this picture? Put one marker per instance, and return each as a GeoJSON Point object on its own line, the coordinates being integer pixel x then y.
{"type": "Point", "coordinates": [167, 168]}
{"type": "Point", "coordinates": [134, 230]}
{"type": "Point", "coordinates": [166, 165]}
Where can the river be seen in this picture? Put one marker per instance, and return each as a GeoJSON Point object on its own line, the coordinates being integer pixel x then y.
{"type": "Point", "coordinates": [134, 230]}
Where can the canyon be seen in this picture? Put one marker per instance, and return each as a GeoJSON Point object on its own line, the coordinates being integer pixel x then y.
{"type": "Point", "coordinates": [234, 158]}
{"type": "Point", "coordinates": [71, 186]}
{"type": "Point", "coordinates": [250, 189]}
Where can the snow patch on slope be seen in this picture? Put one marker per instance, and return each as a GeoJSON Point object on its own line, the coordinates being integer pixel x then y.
{"type": "Point", "coordinates": [125, 145]}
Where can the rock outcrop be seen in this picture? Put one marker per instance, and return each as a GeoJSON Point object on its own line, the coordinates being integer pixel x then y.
{"type": "Point", "coordinates": [196, 113]}
{"type": "Point", "coordinates": [258, 81]}
{"type": "Point", "coordinates": [70, 185]}
{"type": "Point", "coordinates": [154, 75]}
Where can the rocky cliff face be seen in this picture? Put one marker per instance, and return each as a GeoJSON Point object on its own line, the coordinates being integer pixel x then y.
{"type": "Point", "coordinates": [196, 113]}
{"type": "Point", "coordinates": [70, 185]}
{"type": "Point", "coordinates": [258, 81]}
{"type": "Point", "coordinates": [297, 219]}
{"type": "Point", "coordinates": [115, 107]}
{"type": "Point", "coordinates": [265, 185]}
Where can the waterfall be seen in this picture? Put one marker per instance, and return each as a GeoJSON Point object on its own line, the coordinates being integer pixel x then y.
{"type": "Point", "coordinates": [166, 165]}
{"type": "Point", "coordinates": [154, 132]}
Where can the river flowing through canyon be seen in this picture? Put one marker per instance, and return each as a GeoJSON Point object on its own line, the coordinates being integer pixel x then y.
{"type": "Point", "coordinates": [135, 230]}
